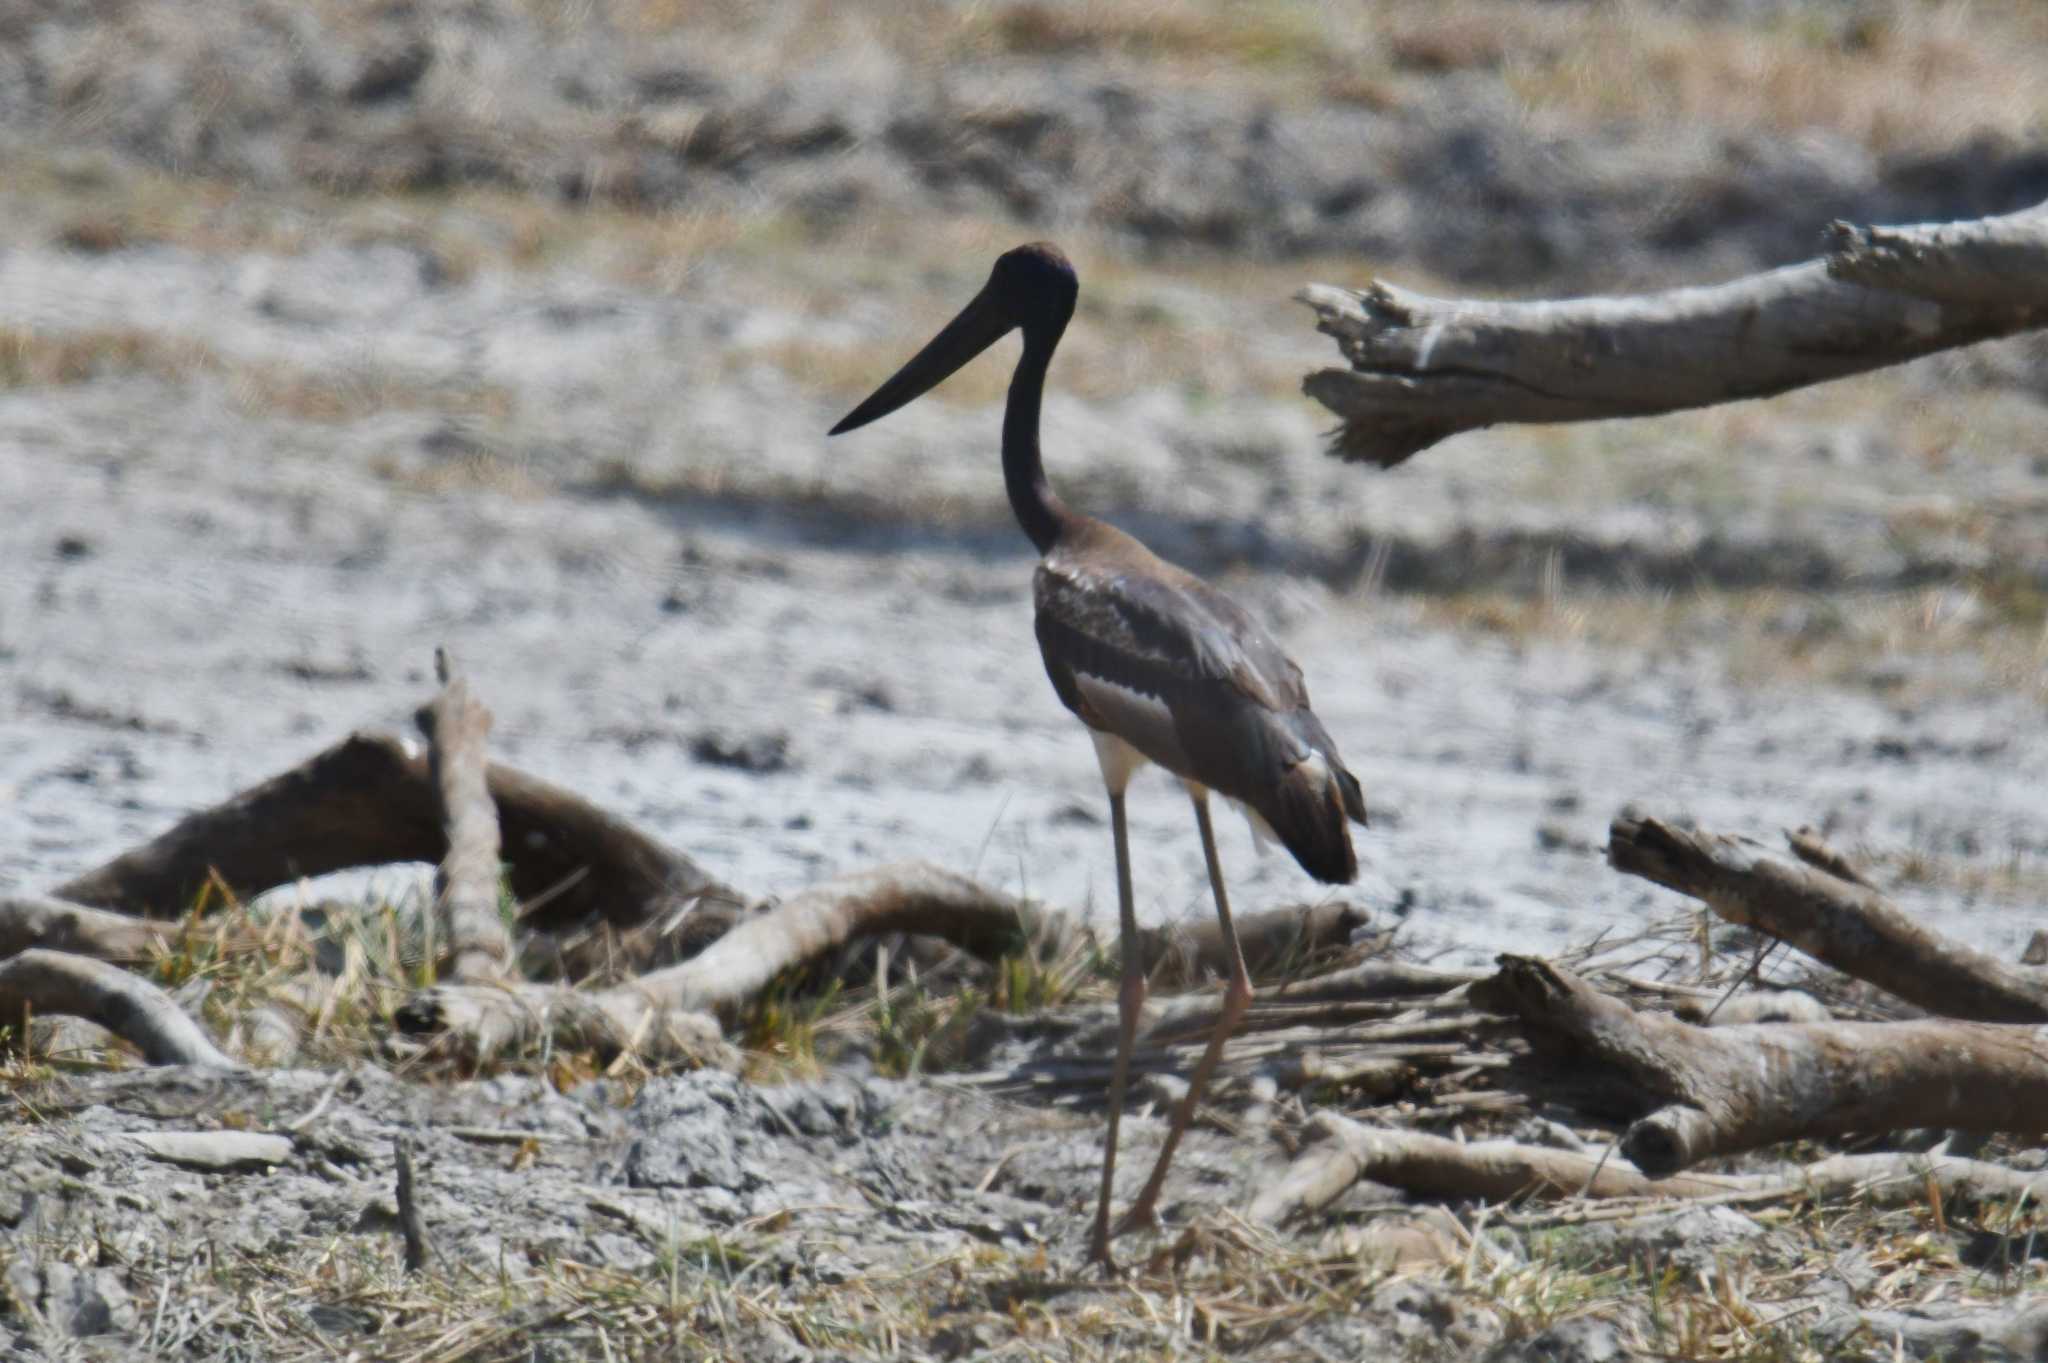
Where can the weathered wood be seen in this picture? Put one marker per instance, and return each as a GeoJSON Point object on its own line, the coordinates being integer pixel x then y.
{"type": "Point", "coordinates": [466, 879]}
{"type": "Point", "coordinates": [28, 921]}
{"type": "Point", "coordinates": [672, 1006]}
{"type": "Point", "coordinates": [412, 1226]}
{"type": "Point", "coordinates": [1729, 1089]}
{"type": "Point", "coordinates": [221, 1152]}
{"type": "Point", "coordinates": [1376, 979]}
{"type": "Point", "coordinates": [1843, 923]}
{"type": "Point", "coordinates": [42, 981]}
{"type": "Point", "coordinates": [1349, 1152]}
{"type": "Point", "coordinates": [1994, 261]}
{"type": "Point", "coordinates": [369, 801]}
{"type": "Point", "coordinates": [1422, 368]}
{"type": "Point", "coordinates": [1436, 1166]}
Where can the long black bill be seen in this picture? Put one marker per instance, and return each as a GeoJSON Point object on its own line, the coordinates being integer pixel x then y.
{"type": "Point", "coordinates": [980, 325]}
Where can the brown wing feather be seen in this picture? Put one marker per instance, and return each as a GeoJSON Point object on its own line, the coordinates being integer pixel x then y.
{"type": "Point", "coordinates": [1140, 648]}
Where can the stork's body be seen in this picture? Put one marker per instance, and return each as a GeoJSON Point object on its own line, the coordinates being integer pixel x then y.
{"type": "Point", "coordinates": [1159, 665]}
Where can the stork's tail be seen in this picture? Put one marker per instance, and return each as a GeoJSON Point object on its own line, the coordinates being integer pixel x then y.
{"type": "Point", "coordinates": [1310, 811]}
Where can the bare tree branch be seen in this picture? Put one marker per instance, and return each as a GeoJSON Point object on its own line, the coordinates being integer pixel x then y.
{"type": "Point", "coordinates": [1422, 368]}
{"type": "Point", "coordinates": [1277, 943]}
{"type": "Point", "coordinates": [1841, 922]}
{"type": "Point", "coordinates": [1729, 1089]}
{"type": "Point", "coordinates": [466, 880]}
{"type": "Point", "coordinates": [130, 1007]}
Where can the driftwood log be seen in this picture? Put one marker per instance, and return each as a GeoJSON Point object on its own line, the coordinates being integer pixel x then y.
{"type": "Point", "coordinates": [466, 880]}
{"type": "Point", "coordinates": [1810, 903]}
{"type": "Point", "coordinates": [1730, 1089]}
{"type": "Point", "coordinates": [41, 981]}
{"type": "Point", "coordinates": [1422, 369]}
{"type": "Point", "coordinates": [370, 800]}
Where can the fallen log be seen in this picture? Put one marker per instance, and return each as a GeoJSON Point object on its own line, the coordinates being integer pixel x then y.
{"type": "Point", "coordinates": [369, 801]}
{"type": "Point", "coordinates": [672, 1007]}
{"type": "Point", "coordinates": [466, 879]}
{"type": "Point", "coordinates": [1424, 1165]}
{"type": "Point", "coordinates": [42, 981]}
{"type": "Point", "coordinates": [1422, 369]}
{"type": "Point", "coordinates": [1841, 922]}
{"type": "Point", "coordinates": [1730, 1089]}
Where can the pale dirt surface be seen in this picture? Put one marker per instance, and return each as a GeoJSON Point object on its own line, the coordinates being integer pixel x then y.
{"type": "Point", "coordinates": [310, 432]}
{"type": "Point", "coordinates": [197, 593]}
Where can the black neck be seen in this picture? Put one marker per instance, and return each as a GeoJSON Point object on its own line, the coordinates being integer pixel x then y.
{"type": "Point", "coordinates": [1038, 510]}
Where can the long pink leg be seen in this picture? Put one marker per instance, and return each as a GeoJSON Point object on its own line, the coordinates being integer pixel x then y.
{"type": "Point", "coordinates": [1129, 1003]}
{"type": "Point", "coordinates": [1237, 996]}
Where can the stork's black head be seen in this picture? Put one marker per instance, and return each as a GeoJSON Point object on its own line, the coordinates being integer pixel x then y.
{"type": "Point", "coordinates": [1035, 283]}
{"type": "Point", "coordinates": [1032, 287]}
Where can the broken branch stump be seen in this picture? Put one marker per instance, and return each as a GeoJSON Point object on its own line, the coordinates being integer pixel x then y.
{"type": "Point", "coordinates": [466, 879]}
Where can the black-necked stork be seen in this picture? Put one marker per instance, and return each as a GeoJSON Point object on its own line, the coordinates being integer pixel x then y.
{"type": "Point", "coordinates": [1158, 664]}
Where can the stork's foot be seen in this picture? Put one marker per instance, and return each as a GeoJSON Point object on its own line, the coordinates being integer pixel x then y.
{"type": "Point", "coordinates": [1099, 1257]}
{"type": "Point", "coordinates": [1142, 1216]}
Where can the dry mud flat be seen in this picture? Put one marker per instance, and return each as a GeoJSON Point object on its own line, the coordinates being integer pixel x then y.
{"type": "Point", "coordinates": [708, 1218]}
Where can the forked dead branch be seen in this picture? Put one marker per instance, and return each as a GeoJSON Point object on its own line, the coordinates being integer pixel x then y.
{"type": "Point", "coordinates": [1422, 369]}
